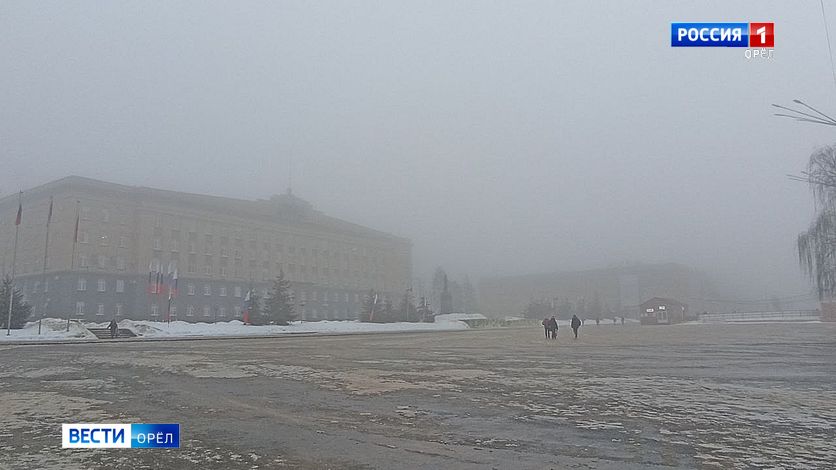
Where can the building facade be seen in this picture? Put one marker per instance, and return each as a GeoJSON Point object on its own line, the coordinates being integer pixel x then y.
{"type": "Point", "coordinates": [221, 248]}
{"type": "Point", "coordinates": [617, 291]}
{"type": "Point", "coordinates": [660, 311]}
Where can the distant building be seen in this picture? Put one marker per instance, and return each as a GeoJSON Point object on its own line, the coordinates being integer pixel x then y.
{"type": "Point", "coordinates": [616, 291]}
{"type": "Point", "coordinates": [220, 247]}
{"type": "Point", "coordinates": [661, 311]}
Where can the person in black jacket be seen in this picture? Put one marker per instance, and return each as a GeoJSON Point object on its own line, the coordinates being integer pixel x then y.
{"type": "Point", "coordinates": [114, 329]}
{"type": "Point", "coordinates": [576, 323]}
{"type": "Point", "coordinates": [553, 327]}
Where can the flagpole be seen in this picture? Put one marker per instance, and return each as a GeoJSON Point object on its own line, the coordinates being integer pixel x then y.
{"type": "Point", "coordinates": [72, 255]}
{"type": "Point", "coordinates": [14, 260]}
{"type": "Point", "coordinates": [43, 273]}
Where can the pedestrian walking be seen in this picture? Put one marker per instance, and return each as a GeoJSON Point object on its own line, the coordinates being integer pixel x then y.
{"type": "Point", "coordinates": [576, 323]}
{"type": "Point", "coordinates": [546, 327]}
{"type": "Point", "coordinates": [114, 328]}
{"type": "Point", "coordinates": [553, 327]}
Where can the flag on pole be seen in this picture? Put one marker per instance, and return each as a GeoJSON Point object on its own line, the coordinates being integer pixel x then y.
{"type": "Point", "coordinates": [19, 213]}
{"type": "Point", "coordinates": [172, 288]}
{"type": "Point", "coordinates": [150, 274]}
{"type": "Point", "coordinates": [75, 236]}
{"type": "Point", "coordinates": [49, 215]}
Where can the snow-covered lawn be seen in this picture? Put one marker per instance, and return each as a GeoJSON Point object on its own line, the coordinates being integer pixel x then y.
{"type": "Point", "coordinates": [51, 329]}
{"type": "Point", "coordinates": [55, 329]}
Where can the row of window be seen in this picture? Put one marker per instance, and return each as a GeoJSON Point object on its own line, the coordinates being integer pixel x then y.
{"type": "Point", "coordinates": [81, 285]}
{"type": "Point", "coordinates": [206, 311]}
{"type": "Point", "coordinates": [222, 291]}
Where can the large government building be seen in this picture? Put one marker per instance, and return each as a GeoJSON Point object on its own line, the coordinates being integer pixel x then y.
{"type": "Point", "coordinates": [110, 245]}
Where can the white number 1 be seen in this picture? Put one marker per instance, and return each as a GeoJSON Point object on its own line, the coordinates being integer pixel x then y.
{"type": "Point", "coordinates": [762, 32]}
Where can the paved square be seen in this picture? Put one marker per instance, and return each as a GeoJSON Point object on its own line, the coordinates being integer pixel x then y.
{"type": "Point", "coordinates": [688, 396]}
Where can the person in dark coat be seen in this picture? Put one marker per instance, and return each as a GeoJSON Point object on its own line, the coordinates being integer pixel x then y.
{"type": "Point", "coordinates": [546, 327]}
{"type": "Point", "coordinates": [553, 327]}
{"type": "Point", "coordinates": [114, 329]}
{"type": "Point", "coordinates": [576, 323]}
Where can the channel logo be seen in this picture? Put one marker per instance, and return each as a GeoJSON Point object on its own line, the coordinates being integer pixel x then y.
{"type": "Point", "coordinates": [760, 35]}
{"type": "Point", "coordinates": [115, 436]}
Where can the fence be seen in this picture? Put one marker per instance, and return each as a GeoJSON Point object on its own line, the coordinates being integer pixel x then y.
{"type": "Point", "coordinates": [788, 316]}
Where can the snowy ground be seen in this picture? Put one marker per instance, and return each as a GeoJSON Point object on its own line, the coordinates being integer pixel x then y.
{"type": "Point", "coordinates": [682, 397]}
{"type": "Point", "coordinates": [56, 329]}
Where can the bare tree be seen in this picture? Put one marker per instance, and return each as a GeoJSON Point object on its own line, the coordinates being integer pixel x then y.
{"type": "Point", "coordinates": [817, 245]}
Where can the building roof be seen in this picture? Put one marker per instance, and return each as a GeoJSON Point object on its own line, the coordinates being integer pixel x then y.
{"type": "Point", "coordinates": [285, 208]}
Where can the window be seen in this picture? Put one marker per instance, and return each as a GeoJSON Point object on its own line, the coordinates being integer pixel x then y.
{"type": "Point", "coordinates": [102, 285]}
{"type": "Point", "coordinates": [207, 289]}
{"type": "Point", "coordinates": [175, 245]}
{"type": "Point", "coordinates": [100, 310]}
{"type": "Point", "coordinates": [222, 271]}
{"type": "Point", "coordinates": [155, 310]}
{"type": "Point", "coordinates": [222, 291]}
{"type": "Point", "coordinates": [123, 242]}
{"type": "Point", "coordinates": [118, 310]}
{"type": "Point", "coordinates": [120, 285]}
{"type": "Point", "coordinates": [237, 310]}
{"type": "Point", "coordinates": [190, 289]}
{"type": "Point", "coordinates": [222, 312]}
{"type": "Point", "coordinates": [157, 244]}
{"type": "Point", "coordinates": [82, 284]}
{"type": "Point", "coordinates": [120, 263]}
{"type": "Point", "coordinates": [101, 261]}
{"type": "Point", "coordinates": [205, 310]}
{"type": "Point", "coordinates": [79, 308]}
{"type": "Point", "coordinates": [190, 311]}
{"type": "Point", "coordinates": [83, 261]}
{"type": "Point", "coordinates": [237, 291]}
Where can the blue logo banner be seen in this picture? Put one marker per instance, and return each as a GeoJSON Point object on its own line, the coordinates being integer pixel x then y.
{"type": "Point", "coordinates": [709, 34]}
{"type": "Point", "coordinates": [155, 435]}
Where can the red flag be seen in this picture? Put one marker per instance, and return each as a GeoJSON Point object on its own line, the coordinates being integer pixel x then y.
{"type": "Point", "coordinates": [19, 213]}
{"type": "Point", "coordinates": [49, 216]}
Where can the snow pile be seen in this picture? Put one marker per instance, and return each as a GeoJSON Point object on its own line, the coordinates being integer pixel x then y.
{"type": "Point", "coordinates": [448, 317]}
{"type": "Point", "coordinates": [151, 329]}
{"type": "Point", "coordinates": [56, 329]}
{"type": "Point", "coordinates": [51, 329]}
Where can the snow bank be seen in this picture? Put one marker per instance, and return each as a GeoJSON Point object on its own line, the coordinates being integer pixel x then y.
{"type": "Point", "coordinates": [175, 329]}
{"type": "Point", "coordinates": [56, 329]}
{"type": "Point", "coordinates": [447, 317]}
{"type": "Point", "coordinates": [51, 329]}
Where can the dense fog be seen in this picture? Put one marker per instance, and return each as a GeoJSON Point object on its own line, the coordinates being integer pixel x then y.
{"type": "Point", "coordinates": [501, 139]}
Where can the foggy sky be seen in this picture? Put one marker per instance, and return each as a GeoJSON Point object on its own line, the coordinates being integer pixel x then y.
{"type": "Point", "coordinates": [501, 137]}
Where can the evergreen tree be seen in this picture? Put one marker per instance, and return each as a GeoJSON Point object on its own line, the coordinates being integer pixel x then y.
{"type": "Point", "coordinates": [469, 302]}
{"type": "Point", "coordinates": [278, 305]}
{"type": "Point", "coordinates": [407, 310]}
{"type": "Point", "coordinates": [538, 309]}
{"type": "Point", "coordinates": [20, 308]}
{"type": "Point", "coordinates": [425, 314]}
{"type": "Point", "coordinates": [389, 314]}
{"type": "Point", "coordinates": [258, 315]}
